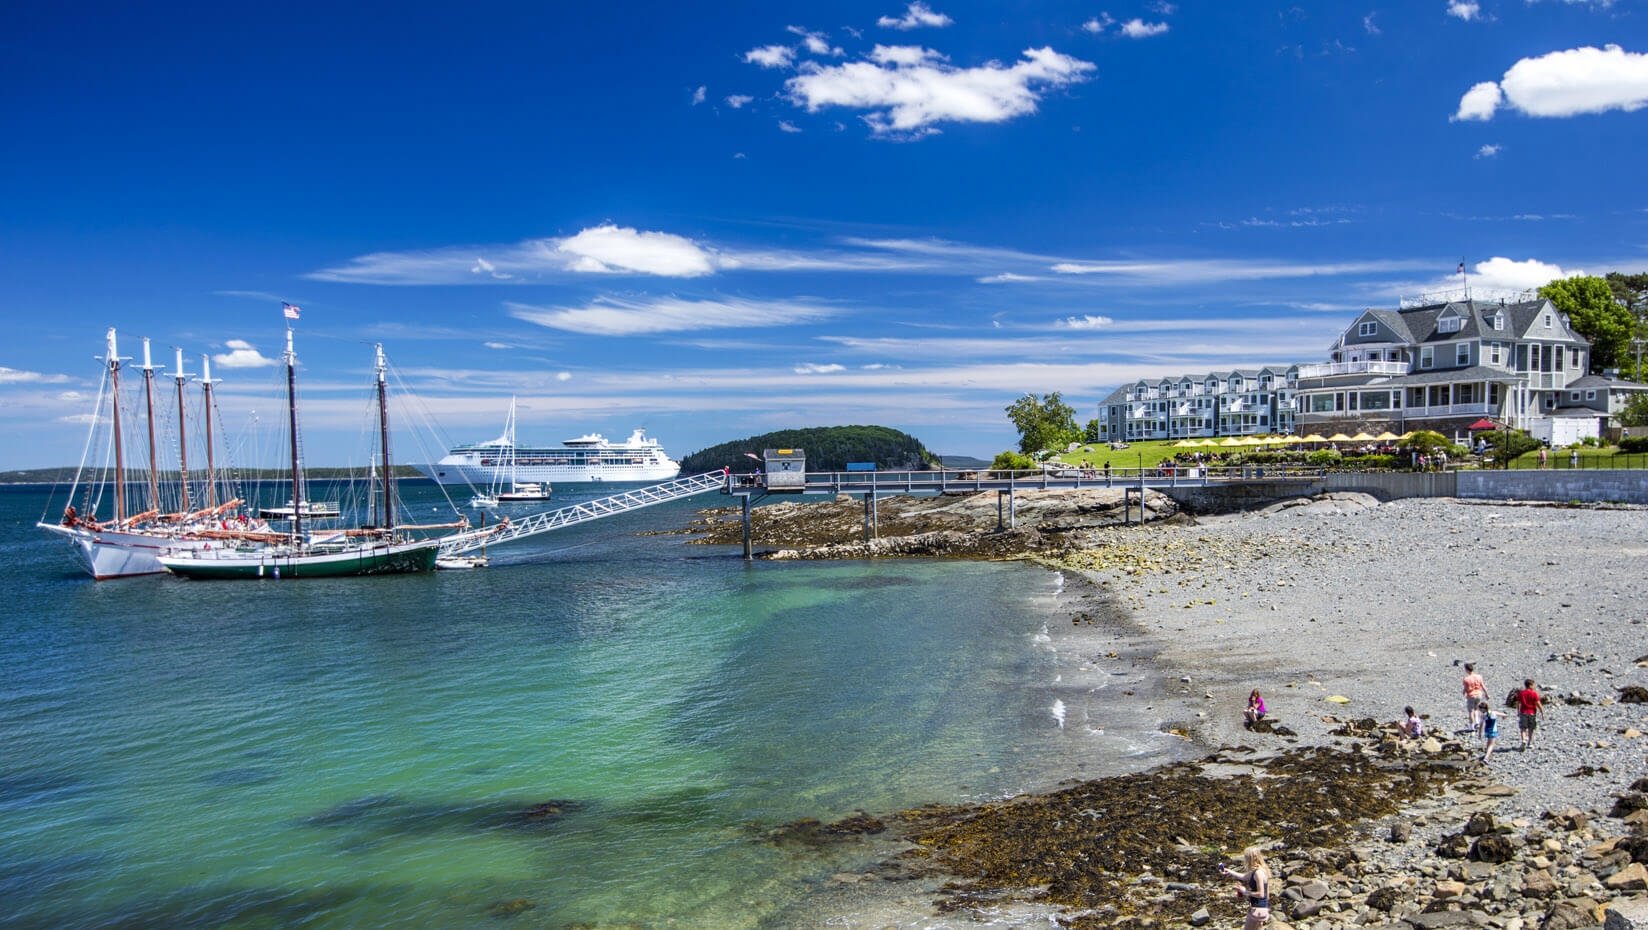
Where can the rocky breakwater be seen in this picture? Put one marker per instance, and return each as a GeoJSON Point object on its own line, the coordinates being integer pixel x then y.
{"type": "Point", "coordinates": [949, 525]}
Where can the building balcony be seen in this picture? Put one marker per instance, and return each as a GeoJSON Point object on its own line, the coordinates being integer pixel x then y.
{"type": "Point", "coordinates": [1364, 367]}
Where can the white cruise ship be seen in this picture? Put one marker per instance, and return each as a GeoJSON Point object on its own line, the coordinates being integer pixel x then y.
{"type": "Point", "coordinates": [588, 458]}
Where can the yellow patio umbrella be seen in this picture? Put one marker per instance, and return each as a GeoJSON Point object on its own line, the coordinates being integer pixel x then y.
{"type": "Point", "coordinates": [1251, 441]}
{"type": "Point", "coordinates": [1407, 434]}
{"type": "Point", "coordinates": [1186, 444]}
{"type": "Point", "coordinates": [1230, 441]}
{"type": "Point", "coordinates": [1339, 437]}
{"type": "Point", "coordinates": [1290, 439]}
{"type": "Point", "coordinates": [1207, 442]}
{"type": "Point", "coordinates": [1314, 437]}
{"type": "Point", "coordinates": [1386, 436]}
{"type": "Point", "coordinates": [1361, 437]}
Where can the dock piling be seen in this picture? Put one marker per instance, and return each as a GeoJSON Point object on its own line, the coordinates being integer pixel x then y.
{"type": "Point", "coordinates": [748, 553]}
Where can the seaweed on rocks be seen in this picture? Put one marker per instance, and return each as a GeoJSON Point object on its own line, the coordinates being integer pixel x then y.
{"type": "Point", "coordinates": [1114, 841]}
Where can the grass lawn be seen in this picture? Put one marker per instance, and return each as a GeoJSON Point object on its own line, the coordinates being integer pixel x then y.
{"type": "Point", "coordinates": [1589, 457]}
{"type": "Point", "coordinates": [1137, 455]}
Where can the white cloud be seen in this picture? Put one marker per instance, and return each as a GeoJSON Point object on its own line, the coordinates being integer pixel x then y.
{"type": "Point", "coordinates": [1139, 29]}
{"type": "Point", "coordinates": [809, 368]}
{"type": "Point", "coordinates": [910, 98]}
{"type": "Point", "coordinates": [698, 95]}
{"type": "Point", "coordinates": [739, 155]}
{"type": "Point", "coordinates": [788, 126]}
{"type": "Point", "coordinates": [241, 354]}
{"type": "Point", "coordinates": [1164, 8]}
{"type": "Point", "coordinates": [609, 249]}
{"type": "Point", "coordinates": [1565, 83]}
{"type": "Point", "coordinates": [1369, 26]}
{"type": "Point", "coordinates": [770, 56]}
{"type": "Point", "coordinates": [82, 418]}
{"type": "Point", "coordinates": [915, 16]}
{"type": "Point", "coordinates": [737, 101]}
{"type": "Point", "coordinates": [1464, 9]}
{"type": "Point", "coordinates": [1099, 23]}
{"type": "Point", "coordinates": [17, 376]}
{"type": "Point", "coordinates": [1087, 321]}
{"type": "Point", "coordinates": [1006, 277]}
{"type": "Point", "coordinates": [1189, 271]}
{"type": "Point", "coordinates": [1479, 102]}
{"type": "Point", "coordinates": [610, 316]}
{"type": "Point", "coordinates": [486, 267]}
{"type": "Point", "coordinates": [904, 56]}
{"type": "Point", "coordinates": [563, 376]}
{"type": "Point", "coordinates": [1488, 151]}
{"type": "Point", "coordinates": [499, 345]}
{"type": "Point", "coordinates": [1506, 275]}
{"type": "Point", "coordinates": [816, 42]}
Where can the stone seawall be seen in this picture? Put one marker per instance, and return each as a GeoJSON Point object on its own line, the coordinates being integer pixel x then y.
{"type": "Point", "coordinates": [1623, 486]}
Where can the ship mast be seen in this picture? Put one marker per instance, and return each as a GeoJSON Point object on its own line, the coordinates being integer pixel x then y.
{"type": "Point", "coordinates": [291, 360]}
{"type": "Point", "coordinates": [206, 382]}
{"type": "Point", "coordinates": [383, 429]}
{"type": "Point", "coordinates": [182, 446]}
{"type": "Point", "coordinates": [119, 455]}
{"type": "Point", "coordinates": [148, 395]}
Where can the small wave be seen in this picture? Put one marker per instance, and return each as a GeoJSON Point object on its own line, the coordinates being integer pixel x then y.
{"type": "Point", "coordinates": [1058, 712]}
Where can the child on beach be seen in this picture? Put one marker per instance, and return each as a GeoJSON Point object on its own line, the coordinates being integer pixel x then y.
{"type": "Point", "coordinates": [1412, 726]}
{"type": "Point", "coordinates": [1490, 732]}
{"type": "Point", "coordinates": [1254, 885]}
{"type": "Point", "coordinates": [1476, 697]}
{"type": "Point", "coordinates": [1529, 708]}
{"type": "Point", "coordinates": [1255, 709]}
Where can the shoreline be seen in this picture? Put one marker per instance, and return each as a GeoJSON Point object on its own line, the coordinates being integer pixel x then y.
{"type": "Point", "coordinates": [1372, 603]}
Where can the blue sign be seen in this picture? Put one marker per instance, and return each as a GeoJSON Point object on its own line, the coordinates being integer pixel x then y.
{"type": "Point", "coordinates": [861, 466]}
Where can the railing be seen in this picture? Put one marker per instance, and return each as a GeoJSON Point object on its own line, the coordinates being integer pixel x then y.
{"type": "Point", "coordinates": [469, 541]}
{"type": "Point", "coordinates": [1362, 367]}
{"type": "Point", "coordinates": [1064, 478]}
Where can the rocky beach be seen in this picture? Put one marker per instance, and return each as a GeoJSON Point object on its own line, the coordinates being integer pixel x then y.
{"type": "Point", "coordinates": [1341, 610]}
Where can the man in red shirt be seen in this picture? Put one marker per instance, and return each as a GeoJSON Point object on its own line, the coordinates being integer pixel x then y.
{"type": "Point", "coordinates": [1529, 708]}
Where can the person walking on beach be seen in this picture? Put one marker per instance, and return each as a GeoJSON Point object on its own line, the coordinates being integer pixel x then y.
{"type": "Point", "coordinates": [1490, 733]}
{"type": "Point", "coordinates": [1476, 698]}
{"type": "Point", "coordinates": [1255, 711]}
{"type": "Point", "coordinates": [1529, 708]}
{"type": "Point", "coordinates": [1254, 885]}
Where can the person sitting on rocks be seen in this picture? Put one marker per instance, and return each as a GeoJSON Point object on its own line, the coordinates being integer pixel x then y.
{"type": "Point", "coordinates": [1255, 710]}
{"type": "Point", "coordinates": [1412, 726]}
{"type": "Point", "coordinates": [1254, 885]}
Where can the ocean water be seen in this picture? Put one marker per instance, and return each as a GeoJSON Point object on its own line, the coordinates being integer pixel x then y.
{"type": "Point", "coordinates": [596, 731]}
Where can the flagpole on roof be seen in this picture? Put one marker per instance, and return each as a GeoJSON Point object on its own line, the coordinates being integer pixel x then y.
{"type": "Point", "coordinates": [1465, 276]}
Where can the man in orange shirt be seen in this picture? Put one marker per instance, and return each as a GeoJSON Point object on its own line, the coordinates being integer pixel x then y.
{"type": "Point", "coordinates": [1476, 698]}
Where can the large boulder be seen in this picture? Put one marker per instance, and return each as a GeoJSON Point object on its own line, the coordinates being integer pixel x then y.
{"type": "Point", "coordinates": [1454, 847]}
{"type": "Point", "coordinates": [1633, 877]}
{"type": "Point", "coordinates": [1572, 914]}
{"type": "Point", "coordinates": [1480, 823]}
{"type": "Point", "coordinates": [1493, 848]}
{"type": "Point", "coordinates": [1630, 914]}
{"type": "Point", "coordinates": [1538, 884]}
{"type": "Point", "coordinates": [1384, 899]}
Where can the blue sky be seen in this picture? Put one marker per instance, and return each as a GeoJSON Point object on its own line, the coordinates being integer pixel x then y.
{"type": "Point", "coordinates": [713, 220]}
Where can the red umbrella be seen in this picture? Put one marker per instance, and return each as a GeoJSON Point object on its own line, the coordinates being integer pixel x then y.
{"type": "Point", "coordinates": [1483, 423]}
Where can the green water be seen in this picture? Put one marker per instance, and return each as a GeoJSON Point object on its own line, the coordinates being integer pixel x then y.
{"type": "Point", "coordinates": [369, 752]}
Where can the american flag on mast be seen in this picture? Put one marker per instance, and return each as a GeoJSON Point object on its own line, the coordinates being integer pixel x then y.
{"type": "Point", "coordinates": [1460, 269]}
{"type": "Point", "coordinates": [292, 310]}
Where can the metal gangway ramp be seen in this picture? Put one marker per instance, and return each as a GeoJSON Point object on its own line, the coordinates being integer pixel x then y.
{"type": "Point", "coordinates": [471, 540]}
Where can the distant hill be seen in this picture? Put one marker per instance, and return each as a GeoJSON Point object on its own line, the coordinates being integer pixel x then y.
{"type": "Point", "coordinates": [829, 448]}
{"type": "Point", "coordinates": [964, 461]}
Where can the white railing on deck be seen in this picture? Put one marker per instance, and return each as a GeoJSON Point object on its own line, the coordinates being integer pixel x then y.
{"type": "Point", "coordinates": [1363, 367]}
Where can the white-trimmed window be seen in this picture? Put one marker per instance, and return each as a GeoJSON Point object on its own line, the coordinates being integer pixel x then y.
{"type": "Point", "coordinates": [1493, 353]}
{"type": "Point", "coordinates": [1448, 324]}
{"type": "Point", "coordinates": [1462, 356]}
{"type": "Point", "coordinates": [1499, 321]}
{"type": "Point", "coordinates": [1590, 395]}
{"type": "Point", "coordinates": [1573, 395]}
{"type": "Point", "coordinates": [1547, 321]}
{"type": "Point", "coordinates": [1367, 329]}
{"type": "Point", "coordinates": [1426, 359]}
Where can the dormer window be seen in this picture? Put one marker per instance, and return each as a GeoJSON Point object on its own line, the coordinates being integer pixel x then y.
{"type": "Point", "coordinates": [1499, 321]}
{"type": "Point", "coordinates": [1448, 324]}
{"type": "Point", "coordinates": [1367, 329]}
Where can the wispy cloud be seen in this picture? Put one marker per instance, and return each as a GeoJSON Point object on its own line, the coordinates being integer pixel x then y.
{"type": "Point", "coordinates": [770, 56]}
{"type": "Point", "coordinates": [1099, 23]}
{"type": "Point", "coordinates": [1464, 9]}
{"type": "Point", "coordinates": [1007, 277]}
{"type": "Point", "coordinates": [916, 16]}
{"type": "Point", "coordinates": [1212, 270]}
{"type": "Point", "coordinates": [1139, 29]}
{"type": "Point", "coordinates": [699, 95]}
{"type": "Point", "coordinates": [242, 354]}
{"type": "Point", "coordinates": [737, 101]}
{"type": "Point", "coordinates": [787, 126]}
{"type": "Point", "coordinates": [1487, 151]}
{"type": "Point", "coordinates": [815, 42]}
{"type": "Point", "coordinates": [18, 376]}
{"type": "Point", "coordinates": [611, 316]}
{"type": "Point", "coordinates": [1087, 321]}
{"type": "Point", "coordinates": [811, 368]}
{"type": "Point", "coordinates": [907, 94]}
{"type": "Point", "coordinates": [1369, 26]}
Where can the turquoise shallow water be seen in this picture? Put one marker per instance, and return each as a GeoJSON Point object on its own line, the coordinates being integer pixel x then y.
{"type": "Point", "coordinates": [371, 752]}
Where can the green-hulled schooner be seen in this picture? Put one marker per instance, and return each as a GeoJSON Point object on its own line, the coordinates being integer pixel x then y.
{"type": "Point", "coordinates": [371, 550]}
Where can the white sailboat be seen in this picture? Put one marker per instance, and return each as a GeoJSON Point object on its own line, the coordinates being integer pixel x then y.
{"type": "Point", "coordinates": [132, 541]}
{"type": "Point", "coordinates": [504, 488]}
